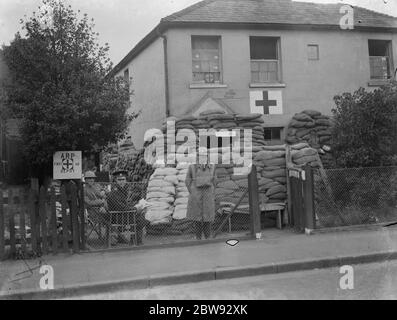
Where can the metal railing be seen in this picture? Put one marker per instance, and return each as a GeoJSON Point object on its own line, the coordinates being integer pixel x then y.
{"type": "Point", "coordinates": [355, 196]}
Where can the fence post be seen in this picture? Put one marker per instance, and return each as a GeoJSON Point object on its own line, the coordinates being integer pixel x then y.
{"type": "Point", "coordinates": [33, 222]}
{"type": "Point", "coordinates": [53, 222]}
{"type": "Point", "coordinates": [75, 222]}
{"type": "Point", "coordinates": [2, 240]}
{"type": "Point", "coordinates": [65, 220]}
{"type": "Point", "coordinates": [82, 214]}
{"type": "Point", "coordinates": [43, 218]}
{"type": "Point", "coordinates": [288, 161]}
{"type": "Point", "coordinates": [11, 220]}
{"type": "Point", "coordinates": [22, 222]}
{"type": "Point", "coordinates": [255, 213]}
{"type": "Point", "coordinates": [308, 193]}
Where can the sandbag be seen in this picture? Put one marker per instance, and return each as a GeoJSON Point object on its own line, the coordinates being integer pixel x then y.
{"type": "Point", "coordinates": [169, 190]}
{"type": "Point", "coordinates": [159, 183]}
{"type": "Point", "coordinates": [276, 189]}
{"type": "Point", "coordinates": [248, 117]}
{"type": "Point", "coordinates": [275, 162]}
{"type": "Point", "coordinates": [296, 124]}
{"type": "Point", "coordinates": [151, 195]}
{"type": "Point", "coordinates": [273, 174]}
{"type": "Point", "coordinates": [279, 196]}
{"type": "Point", "coordinates": [306, 159]}
{"type": "Point", "coordinates": [267, 155]}
{"type": "Point", "coordinates": [323, 122]}
{"type": "Point", "coordinates": [302, 133]}
{"type": "Point", "coordinates": [172, 179]}
{"type": "Point", "coordinates": [269, 185]}
{"type": "Point", "coordinates": [296, 154]}
{"type": "Point", "coordinates": [302, 117]}
{"type": "Point", "coordinates": [300, 146]}
{"type": "Point", "coordinates": [312, 113]}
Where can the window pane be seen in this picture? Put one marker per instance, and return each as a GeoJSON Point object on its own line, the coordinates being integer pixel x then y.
{"type": "Point", "coordinates": [273, 134]}
{"type": "Point", "coordinates": [313, 52]}
{"type": "Point", "coordinates": [380, 67]}
{"type": "Point", "coordinates": [263, 48]}
{"type": "Point", "coordinates": [206, 64]}
{"type": "Point", "coordinates": [254, 66]}
{"type": "Point", "coordinates": [205, 43]}
{"type": "Point", "coordinates": [268, 134]}
{"type": "Point", "coordinates": [378, 48]}
{"type": "Point", "coordinates": [276, 134]}
{"type": "Point", "coordinates": [255, 77]}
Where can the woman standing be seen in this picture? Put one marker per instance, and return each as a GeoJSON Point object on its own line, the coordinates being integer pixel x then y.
{"type": "Point", "coordinates": [200, 181]}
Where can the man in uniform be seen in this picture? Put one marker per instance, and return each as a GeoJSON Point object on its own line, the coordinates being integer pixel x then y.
{"type": "Point", "coordinates": [125, 197]}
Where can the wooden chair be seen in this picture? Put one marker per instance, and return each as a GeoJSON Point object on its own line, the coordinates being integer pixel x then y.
{"type": "Point", "coordinates": [124, 219]}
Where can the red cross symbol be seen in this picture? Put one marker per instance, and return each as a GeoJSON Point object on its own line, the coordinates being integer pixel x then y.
{"type": "Point", "coordinates": [67, 164]}
{"type": "Point", "coordinates": [266, 103]}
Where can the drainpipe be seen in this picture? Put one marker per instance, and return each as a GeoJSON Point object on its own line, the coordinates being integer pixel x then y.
{"type": "Point", "coordinates": [166, 81]}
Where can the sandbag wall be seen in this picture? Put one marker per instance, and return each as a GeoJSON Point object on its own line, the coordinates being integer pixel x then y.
{"type": "Point", "coordinates": [302, 154]}
{"type": "Point", "coordinates": [131, 160]}
{"type": "Point", "coordinates": [315, 129]}
{"type": "Point", "coordinates": [160, 195]}
{"type": "Point", "coordinates": [272, 176]}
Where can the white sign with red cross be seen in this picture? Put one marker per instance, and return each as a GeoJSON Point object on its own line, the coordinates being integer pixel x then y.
{"type": "Point", "coordinates": [266, 102]}
{"type": "Point", "coordinates": [67, 165]}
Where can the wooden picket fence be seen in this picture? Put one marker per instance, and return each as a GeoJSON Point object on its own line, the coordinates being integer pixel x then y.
{"type": "Point", "coordinates": [35, 223]}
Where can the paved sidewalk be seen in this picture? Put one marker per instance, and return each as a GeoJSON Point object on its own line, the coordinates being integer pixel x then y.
{"type": "Point", "coordinates": [279, 251]}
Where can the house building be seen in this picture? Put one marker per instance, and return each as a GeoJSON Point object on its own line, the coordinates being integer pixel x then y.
{"type": "Point", "coordinates": [276, 57]}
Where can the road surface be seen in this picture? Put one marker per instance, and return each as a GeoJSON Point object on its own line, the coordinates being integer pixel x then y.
{"type": "Point", "coordinates": [371, 281]}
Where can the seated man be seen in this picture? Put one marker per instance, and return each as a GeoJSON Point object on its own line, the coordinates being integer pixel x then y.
{"type": "Point", "coordinates": [124, 197]}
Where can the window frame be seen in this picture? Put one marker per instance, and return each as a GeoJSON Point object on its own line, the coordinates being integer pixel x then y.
{"type": "Point", "coordinates": [281, 130]}
{"type": "Point", "coordinates": [318, 51]}
{"type": "Point", "coordinates": [279, 79]}
{"type": "Point", "coordinates": [390, 60]}
{"type": "Point", "coordinates": [203, 82]}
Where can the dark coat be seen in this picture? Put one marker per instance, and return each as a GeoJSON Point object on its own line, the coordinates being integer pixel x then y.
{"type": "Point", "coordinates": [201, 204]}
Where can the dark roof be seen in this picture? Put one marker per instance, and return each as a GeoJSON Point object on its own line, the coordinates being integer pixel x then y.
{"type": "Point", "coordinates": [277, 12]}
{"type": "Point", "coordinates": [285, 14]}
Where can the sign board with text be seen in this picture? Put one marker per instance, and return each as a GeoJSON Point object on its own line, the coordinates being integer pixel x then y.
{"type": "Point", "coordinates": [67, 165]}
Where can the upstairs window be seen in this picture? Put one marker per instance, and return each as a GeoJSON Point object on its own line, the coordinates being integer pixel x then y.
{"type": "Point", "coordinates": [265, 60]}
{"type": "Point", "coordinates": [206, 54]}
{"type": "Point", "coordinates": [313, 52]}
{"type": "Point", "coordinates": [127, 77]}
{"type": "Point", "coordinates": [380, 60]}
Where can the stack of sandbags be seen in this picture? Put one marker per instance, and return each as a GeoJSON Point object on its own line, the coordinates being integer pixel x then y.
{"type": "Point", "coordinates": [314, 128]}
{"type": "Point", "coordinates": [271, 164]}
{"type": "Point", "coordinates": [139, 170]}
{"type": "Point", "coordinates": [303, 154]}
{"type": "Point", "coordinates": [255, 123]}
{"type": "Point", "coordinates": [110, 158]}
{"type": "Point", "coordinates": [182, 193]}
{"type": "Point", "coordinates": [161, 195]}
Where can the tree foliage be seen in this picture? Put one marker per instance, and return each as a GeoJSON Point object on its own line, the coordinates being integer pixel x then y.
{"type": "Point", "coordinates": [59, 87]}
{"type": "Point", "coordinates": [365, 129]}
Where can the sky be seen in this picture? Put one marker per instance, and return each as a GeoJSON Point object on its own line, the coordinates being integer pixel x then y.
{"type": "Point", "coordinates": [123, 23]}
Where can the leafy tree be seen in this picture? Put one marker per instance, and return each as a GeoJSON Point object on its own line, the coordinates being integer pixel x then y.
{"type": "Point", "coordinates": [365, 128]}
{"type": "Point", "coordinates": [59, 87]}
